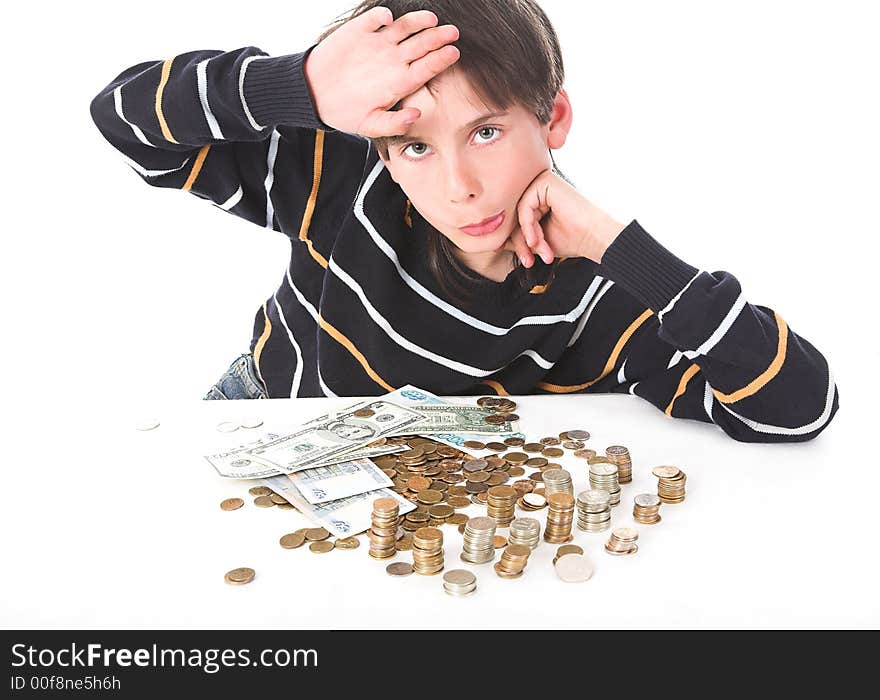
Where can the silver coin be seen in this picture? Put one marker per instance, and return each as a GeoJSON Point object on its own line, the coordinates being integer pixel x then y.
{"type": "Point", "coordinates": [603, 469]}
{"type": "Point", "coordinates": [475, 465]}
{"type": "Point", "coordinates": [227, 427]}
{"type": "Point", "coordinates": [481, 524]}
{"type": "Point", "coordinates": [150, 424]}
{"type": "Point", "coordinates": [459, 577]}
{"type": "Point", "coordinates": [399, 568]}
{"type": "Point", "coordinates": [535, 499]}
{"type": "Point", "coordinates": [573, 568]}
{"type": "Point", "coordinates": [578, 435]}
{"type": "Point", "coordinates": [647, 500]}
{"type": "Point", "coordinates": [252, 422]}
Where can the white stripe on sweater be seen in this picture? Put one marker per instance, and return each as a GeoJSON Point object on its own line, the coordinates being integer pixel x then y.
{"type": "Point", "coordinates": [151, 173]}
{"type": "Point", "coordinates": [583, 321]}
{"type": "Point", "coordinates": [241, 74]}
{"type": "Point", "coordinates": [297, 374]}
{"type": "Point", "coordinates": [270, 177]}
{"type": "Point", "coordinates": [719, 333]}
{"type": "Point", "coordinates": [233, 200]}
{"type": "Point", "coordinates": [666, 309]}
{"type": "Point", "coordinates": [117, 103]}
{"type": "Point", "coordinates": [202, 80]}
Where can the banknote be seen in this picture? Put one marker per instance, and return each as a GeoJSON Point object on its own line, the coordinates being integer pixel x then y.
{"type": "Point", "coordinates": [342, 518]}
{"type": "Point", "coordinates": [416, 398]}
{"type": "Point", "coordinates": [320, 442]}
{"type": "Point", "coordinates": [454, 418]}
{"type": "Point", "coordinates": [322, 484]}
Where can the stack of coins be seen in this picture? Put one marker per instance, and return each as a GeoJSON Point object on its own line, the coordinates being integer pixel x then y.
{"type": "Point", "coordinates": [670, 485]}
{"type": "Point", "coordinates": [501, 503]}
{"type": "Point", "coordinates": [603, 476]}
{"type": "Point", "coordinates": [513, 561]}
{"type": "Point", "coordinates": [647, 508]}
{"type": "Point", "coordinates": [383, 533]}
{"type": "Point", "coordinates": [479, 541]}
{"type": "Point", "coordinates": [525, 531]}
{"type": "Point", "coordinates": [594, 510]}
{"type": "Point", "coordinates": [459, 583]}
{"type": "Point", "coordinates": [559, 518]}
{"type": "Point", "coordinates": [557, 481]}
{"type": "Point", "coordinates": [619, 455]}
{"type": "Point", "coordinates": [623, 541]}
{"type": "Point", "coordinates": [427, 551]}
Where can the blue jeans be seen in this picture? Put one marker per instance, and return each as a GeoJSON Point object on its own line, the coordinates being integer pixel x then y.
{"type": "Point", "coordinates": [239, 381]}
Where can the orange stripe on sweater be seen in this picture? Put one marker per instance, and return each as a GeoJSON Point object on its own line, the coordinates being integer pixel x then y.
{"type": "Point", "coordinates": [163, 125]}
{"type": "Point", "coordinates": [758, 383]}
{"type": "Point", "coordinates": [682, 386]}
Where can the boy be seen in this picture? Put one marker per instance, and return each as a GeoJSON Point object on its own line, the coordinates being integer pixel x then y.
{"type": "Point", "coordinates": [419, 267]}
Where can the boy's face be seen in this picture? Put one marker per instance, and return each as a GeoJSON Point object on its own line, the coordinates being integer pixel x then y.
{"type": "Point", "coordinates": [456, 175]}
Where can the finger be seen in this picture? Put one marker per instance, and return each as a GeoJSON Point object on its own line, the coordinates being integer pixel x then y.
{"type": "Point", "coordinates": [542, 248]}
{"type": "Point", "coordinates": [429, 40]}
{"type": "Point", "coordinates": [391, 123]}
{"type": "Point", "coordinates": [410, 23]}
{"type": "Point", "coordinates": [375, 18]}
{"type": "Point", "coordinates": [521, 248]}
{"type": "Point", "coordinates": [424, 69]}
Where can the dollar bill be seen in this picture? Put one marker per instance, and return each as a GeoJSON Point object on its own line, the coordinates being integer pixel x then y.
{"type": "Point", "coordinates": [453, 418]}
{"type": "Point", "coordinates": [322, 484]}
{"type": "Point", "coordinates": [320, 441]}
{"type": "Point", "coordinates": [342, 518]}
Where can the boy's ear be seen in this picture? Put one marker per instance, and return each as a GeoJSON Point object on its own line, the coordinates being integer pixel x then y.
{"type": "Point", "coordinates": [560, 121]}
{"type": "Point", "coordinates": [389, 167]}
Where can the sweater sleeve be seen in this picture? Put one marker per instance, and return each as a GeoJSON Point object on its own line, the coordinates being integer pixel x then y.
{"type": "Point", "coordinates": [710, 355]}
{"type": "Point", "coordinates": [221, 126]}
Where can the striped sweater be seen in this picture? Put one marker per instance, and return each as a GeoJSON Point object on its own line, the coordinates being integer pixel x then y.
{"type": "Point", "coordinates": [358, 312]}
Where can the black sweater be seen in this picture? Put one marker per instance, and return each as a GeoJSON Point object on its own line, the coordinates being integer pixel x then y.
{"type": "Point", "coordinates": [359, 313]}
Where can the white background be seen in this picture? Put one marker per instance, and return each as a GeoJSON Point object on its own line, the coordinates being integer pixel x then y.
{"type": "Point", "coordinates": [743, 136]}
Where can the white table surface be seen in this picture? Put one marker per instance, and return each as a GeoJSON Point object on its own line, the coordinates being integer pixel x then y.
{"type": "Point", "coordinates": [108, 527]}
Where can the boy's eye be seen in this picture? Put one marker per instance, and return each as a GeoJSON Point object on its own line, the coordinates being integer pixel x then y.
{"type": "Point", "coordinates": [482, 131]}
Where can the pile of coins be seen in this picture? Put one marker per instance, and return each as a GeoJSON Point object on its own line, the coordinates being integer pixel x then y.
{"type": "Point", "coordinates": [557, 481]}
{"type": "Point", "coordinates": [559, 518]}
{"type": "Point", "coordinates": [619, 456]}
{"type": "Point", "coordinates": [383, 532]}
{"type": "Point", "coordinates": [504, 409]}
{"type": "Point", "coordinates": [501, 503]}
{"type": "Point", "coordinates": [427, 551]}
{"type": "Point", "coordinates": [264, 497]}
{"type": "Point", "coordinates": [646, 508]}
{"type": "Point", "coordinates": [623, 541]}
{"type": "Point", "coordinates": [525, 531]}
{"type": "Point", "coordinates": [459, 583]}
{"type": "Point", "coordinates": [479, 541]}
{"type": "Point", "coordinates": [670, 484]}
{"type": "Point", "coordinates": [594, 510]}
{"type": "Point", "coordinates": [603, 476]}
{"type": "Point", "coordinates": [513, 561]}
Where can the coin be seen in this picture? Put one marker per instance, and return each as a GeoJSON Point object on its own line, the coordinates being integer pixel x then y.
{"type": "Point", "coordinates": [514, 442]}
{"type": "Point", "coordinates": [573, 568]}
{"type": "Point", "coordinates": [459, 577]}
{"type": "Point", "coordinates": [578, 435]}
{"type": "Point", "coordinates": [264, 502]}
{"type": "Point", "coordinates": [429, 496]}
{"type": "Point", "coordinates": [316, 534]}
{"type": "Point", "coordinates": [500, 542]}
{"type": "Point", "coordinates": [418, 483]}
{"type": "Point", "coordinates": [259, 491]}
{"type": "Point", "coordinates": [239, 577]}
{"type": "Point", "coordinates": [495, 419]}
{"type": "Point", "coordinates": [251, 423]}
{"type": "Point", "coordinates": [227, 427]}
{"type": "Point", "coordinates": [321, 547]}
{"type": "Point", "coordinates": [231, 504]}
{"type": "Point", "coordinates": [292, 540]}
{"type": "Point", "coordinates": [278, 499]}
{"type": "Point", "coordinates": [512, 417]}
{"type": "Point", "coordinates": [549, 441]}
{"type": "Point", "coordinates": [516, 471]}
{"type": "Point", "coordinates": [399, 568]}
{"type": "Point", "coordinates": [569, 549]}
{"type": "Point", "coordinates": [474, 445]}
{"type": "Point", "coordinates": [552, 452]}
{"type": "Point", "coordinates": [364, 413]}
{"type": "Point", "coordinates": [533, 447]}
{"type": "Point", "coordinates": [534, 500]}
{"type": "Point", "coordinates": [458, 501]}
{"type": "Point", "coordinates": [457, 519]}
{"type": "Point", "coordinates": [347, 543]}
{"type": "Point", "coordinates": [665, 472]}
{"type": "Point", "coordinates": [647, 500]}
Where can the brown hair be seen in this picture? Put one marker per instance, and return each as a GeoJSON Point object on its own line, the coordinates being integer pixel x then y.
{"type": "Point", "coordinates": [510, 54]}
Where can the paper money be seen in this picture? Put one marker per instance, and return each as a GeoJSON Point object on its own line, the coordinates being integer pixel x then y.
{"type": "Point", "coordinates": [452, 418]}
{"type": "Point", "coordinates": [320, 441]}
{"type": "Point", "coordinates": [342, 518]}
{"type": "Point", "coordinates": [322, 484]}
{"type": "Point", "coordinates": [416, 398]}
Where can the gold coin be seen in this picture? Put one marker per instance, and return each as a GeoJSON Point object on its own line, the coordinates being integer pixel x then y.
{"type": "Point", "coordinates": [286, 506]}
{"type": "Point", "coordinates": [457, 518]}
{"type": "Point", "coordinates": [516, 471]}
{"type": "Point", "coordinates": [239, 577]}
{"type": "Point", "coordinates": [569, 549]}
{"type": "Point", "coordinates": [474, 445]}
{"type": "Point", "coordinates": [263, 502]}
{"type": "Point", "coordinates": [552, 452]}
{"type": "Point", "coordinates": [292, 540]}
{"type": "Point", "coordinates": [533, 447]}
{"type": "Point", "coordinates": [458, 501]}
{"type": "Point", "coordinates": [385, 505]}
{"type": "Point", "coordinates": [441, 511]}
{"type": "Point", "coordinates": [316, 534]}
{"type": "Point", "coordinates": [514, 442]}
{"type": "Point", "coordinates": [477, 477]}
{"type": "Point", "coordinates": [259, 491]}
{"type": "Point", "coordinates": [665, 472]}
{"type": "Point", "coordinates": [347, 543]}
{"type": "Point", "coordinates": [497, 479]}
{"type": "Point", "coordinates": [418, 483]}
{"type": "Point", "coordinates": [496, 446]}
{"type": "Point", "coordinates": [278, 499]}
{"type": "Point", "coordinates": [516, 458]}
{"type": "Point", "coordinates": [231, 504]}
{"type": "Point", "coordinates": [364, 413]}
{"type": "Point", "coordinates": [495, 419]}
{"type": "Point", "coordinates": [585, 454]}
{"type": "Point", "coordinates": [430, 496]}
{"type": "Point", "coordinates": [500, 541]}
{"type": "Point", "coordinates": [537, 462]}
{"type": "Point", "coordinates": [321, 547]}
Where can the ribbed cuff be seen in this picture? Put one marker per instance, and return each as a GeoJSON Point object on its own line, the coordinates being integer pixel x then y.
{"type": "Point", "coordinates": [277, 92]}
{"type": "Point", "coordinates": [644, 268]}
